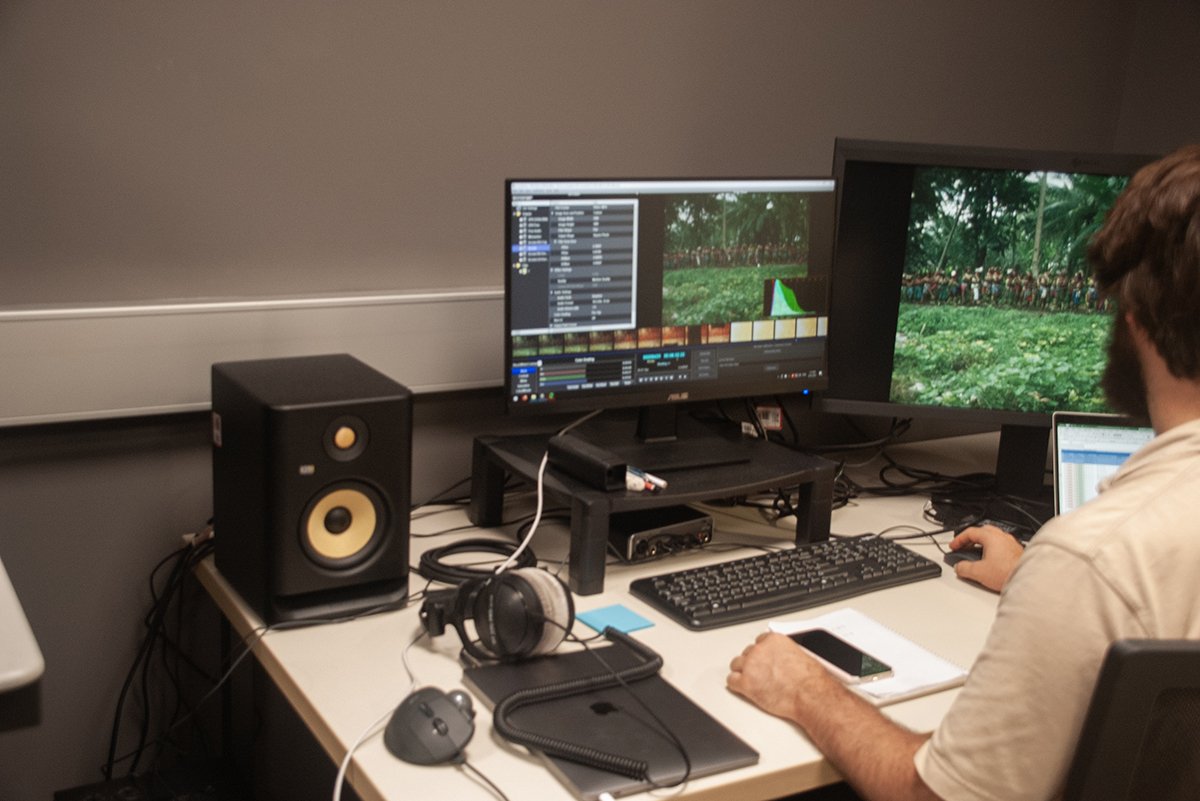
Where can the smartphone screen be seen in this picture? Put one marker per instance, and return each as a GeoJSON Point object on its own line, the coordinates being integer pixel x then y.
{"type": "Point", "coordinates": [841, 654]}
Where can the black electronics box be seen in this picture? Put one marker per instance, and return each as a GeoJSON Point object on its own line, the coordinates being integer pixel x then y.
{"type": "Point", "coordinates": [641, 535]}
{"type": "Point", "coordinates": [587, 462]}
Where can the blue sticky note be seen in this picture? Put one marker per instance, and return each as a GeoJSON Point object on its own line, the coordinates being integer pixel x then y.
{"type": "Point", "coordinates": [622, 619]}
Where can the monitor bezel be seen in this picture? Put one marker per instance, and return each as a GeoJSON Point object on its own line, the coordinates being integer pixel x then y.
{"type": "Point", "coordinates": [671, 395]}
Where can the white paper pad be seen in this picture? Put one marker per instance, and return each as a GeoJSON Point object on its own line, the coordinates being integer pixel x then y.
{"type": "Point", "coordinates": [915, 671]}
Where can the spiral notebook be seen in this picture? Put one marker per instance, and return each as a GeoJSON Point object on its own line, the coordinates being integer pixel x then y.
{"type": "Point", "coordinates": [915, 670]}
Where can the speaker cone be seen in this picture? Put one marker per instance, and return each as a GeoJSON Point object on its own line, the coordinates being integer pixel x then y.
{"type": "Point", "coordinates": [342, 525]}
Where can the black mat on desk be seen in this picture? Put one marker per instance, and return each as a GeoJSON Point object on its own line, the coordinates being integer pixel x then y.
{"type": "Point", "coordinates": [611, 721]}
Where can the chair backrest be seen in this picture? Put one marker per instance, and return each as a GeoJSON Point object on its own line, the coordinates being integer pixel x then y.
{"type": "Point", "coordinates": [1141, 737]}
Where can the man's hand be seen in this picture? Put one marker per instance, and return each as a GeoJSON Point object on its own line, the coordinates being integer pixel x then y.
{"type": "Point", "coordinates": [874, 754]}
{"type": "Point", "coordinates": [780, 677]}
{"type": "Point", "coordinates": [1000, 554]}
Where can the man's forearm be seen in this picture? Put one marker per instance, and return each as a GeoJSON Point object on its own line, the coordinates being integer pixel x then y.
{"type": "Point", "coordinates": [871, 751]}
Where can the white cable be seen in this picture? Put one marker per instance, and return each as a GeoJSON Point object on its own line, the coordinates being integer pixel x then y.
{"type": "Point", "coordinates": [372, 729]}
{"type": "Point", "coordinates": [541, 483]}
{"type": "Point", "coordinates": [345, 766]}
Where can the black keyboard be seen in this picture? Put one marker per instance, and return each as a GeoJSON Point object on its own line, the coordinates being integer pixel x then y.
{"type": "Point", "coordinates": [782, 581]}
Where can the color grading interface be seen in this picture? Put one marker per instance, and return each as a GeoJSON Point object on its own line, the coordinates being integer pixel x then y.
{"type": "Point", "coordinates": [624, 286]}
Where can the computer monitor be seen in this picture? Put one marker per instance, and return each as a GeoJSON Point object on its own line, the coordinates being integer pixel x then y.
{"type": "Point", "coordinates": [961, 290]}
{"type": "Point", "coordinates": [648, 293]}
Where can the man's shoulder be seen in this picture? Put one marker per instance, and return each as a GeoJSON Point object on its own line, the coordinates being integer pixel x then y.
{"type": "Point", "coordinates": [1152, 503]}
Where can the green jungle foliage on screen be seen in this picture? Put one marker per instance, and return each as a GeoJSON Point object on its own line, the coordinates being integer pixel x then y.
{"type": "Point", "coordinates": [718, 295]}
{"type": "Point", "coordinates": [1000, 358]}
{"type": "Point", "coordinates": [967, 218]}
{"type": "Point", "coordinates": [731, 219]}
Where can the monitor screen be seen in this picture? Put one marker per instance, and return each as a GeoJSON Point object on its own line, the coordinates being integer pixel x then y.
{"type": "Point", "coordinates": [961, 286]}
{"type": "Point", "coordinates": [624, 293]}
{"type": "Point", "coordinates": [960, 290]}
{"type": "Point", "coordinates": [1087, 449]}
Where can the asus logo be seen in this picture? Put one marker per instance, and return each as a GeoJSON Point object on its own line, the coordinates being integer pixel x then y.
{"type": "Point", "coordinates": [677, 396]}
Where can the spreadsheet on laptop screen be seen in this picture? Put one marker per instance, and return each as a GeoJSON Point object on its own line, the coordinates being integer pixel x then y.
{"type": "Point", "coordinates": [1086, 453]}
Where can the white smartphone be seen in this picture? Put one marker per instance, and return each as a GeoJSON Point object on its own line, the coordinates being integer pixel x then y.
{"type": "Point", "coordinates": [841, 658]}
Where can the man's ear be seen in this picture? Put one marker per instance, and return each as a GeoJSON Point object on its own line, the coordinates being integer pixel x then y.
{"type": "Point", "coordinates": [1147, 351]}
{"type": "Point", "coordinates": [1141, 337]}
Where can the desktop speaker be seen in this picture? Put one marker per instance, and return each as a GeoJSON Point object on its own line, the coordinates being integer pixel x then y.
{"type": "Point", "coordinates": [311, 483]}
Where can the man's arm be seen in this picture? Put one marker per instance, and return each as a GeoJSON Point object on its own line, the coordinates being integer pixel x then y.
{"type": "Point", "coordinates": [873, 753]}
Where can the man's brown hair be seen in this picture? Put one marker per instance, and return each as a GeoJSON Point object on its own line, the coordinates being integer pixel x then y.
{"type": "Point", "coordinates": [1147, 256]}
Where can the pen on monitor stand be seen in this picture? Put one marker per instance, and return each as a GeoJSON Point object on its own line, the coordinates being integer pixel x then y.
{"type": "Point", "coordinates": [635, 477]}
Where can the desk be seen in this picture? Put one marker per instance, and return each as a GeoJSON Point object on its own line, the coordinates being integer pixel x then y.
{"type": "Point", "coordinates": [341, 677]}
{"type": "Point", "coordinates": [21, 663]}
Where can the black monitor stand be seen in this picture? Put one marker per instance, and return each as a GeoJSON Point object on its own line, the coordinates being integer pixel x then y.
{"type": "Point", "coordinates": [700, 465]}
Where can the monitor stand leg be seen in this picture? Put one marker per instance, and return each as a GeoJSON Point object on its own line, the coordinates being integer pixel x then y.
{"type": "Point", "coordinates": [589, 545]}
{"type": "Point", "coordinates": [814, 506]}
{"type": "Point", "coordinates": [487, 489]}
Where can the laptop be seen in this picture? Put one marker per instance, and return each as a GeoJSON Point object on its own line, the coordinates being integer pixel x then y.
{"type": "Point", "coordinates": [1087, 448]}
{"type": "Point", "coordinates": [611, 721]}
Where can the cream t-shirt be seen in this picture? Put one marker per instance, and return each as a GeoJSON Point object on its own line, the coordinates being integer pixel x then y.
{"type": "Point", "coordinates": [1124, 565]}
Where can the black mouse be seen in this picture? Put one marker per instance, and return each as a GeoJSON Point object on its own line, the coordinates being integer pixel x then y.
{"type": "Point", "coordinates": [430, 726]}
{"type": "Point", "coordinates": [972, 554]}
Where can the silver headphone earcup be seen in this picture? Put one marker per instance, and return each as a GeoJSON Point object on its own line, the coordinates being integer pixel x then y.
{"type": "Point", "coordinates": [557, 608]}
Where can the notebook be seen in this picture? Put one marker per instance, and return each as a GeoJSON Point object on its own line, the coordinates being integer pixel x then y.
{"type": "Point", "coordinates": [1087, 448]}
{"type": "Point", "coordinates": [611, 721]}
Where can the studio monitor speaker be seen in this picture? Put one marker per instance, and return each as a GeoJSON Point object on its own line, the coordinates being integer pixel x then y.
{"type": "Point", "coordinates": [311, 482]}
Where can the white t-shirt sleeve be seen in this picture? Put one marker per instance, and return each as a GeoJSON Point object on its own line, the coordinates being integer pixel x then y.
{"type": "Point", "coordinates": [1011, 732]}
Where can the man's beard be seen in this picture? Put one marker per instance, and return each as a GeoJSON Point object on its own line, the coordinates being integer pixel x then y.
{"type": "Point", "coordinates": [1123, 384]}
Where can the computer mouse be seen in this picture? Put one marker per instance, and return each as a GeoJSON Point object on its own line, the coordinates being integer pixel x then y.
{"type": "Point", "coordinates": [972, 554]}
{"type": "Point", "coordinates": [430, 727]}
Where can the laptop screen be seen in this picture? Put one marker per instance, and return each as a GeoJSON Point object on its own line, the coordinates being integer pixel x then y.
{"type": "Point", "coordinates": [1088, 447]}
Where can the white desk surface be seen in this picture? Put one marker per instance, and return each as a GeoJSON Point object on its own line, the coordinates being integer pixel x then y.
{"type": "Point", "coordinates": [21, 661]}
{"type": "Point", "coordinates": [342, 677]}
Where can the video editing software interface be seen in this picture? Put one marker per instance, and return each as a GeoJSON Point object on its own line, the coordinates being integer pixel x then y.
{"type": "Point", "coordinates": [969, 287]}
{"type": "Point", "coordinates": [648, 291]}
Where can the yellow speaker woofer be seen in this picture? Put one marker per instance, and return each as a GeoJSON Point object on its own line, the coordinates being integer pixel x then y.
{"type": "Point", "coordinates": [342, 525]}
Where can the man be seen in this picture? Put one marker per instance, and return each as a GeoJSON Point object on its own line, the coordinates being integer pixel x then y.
{"type": "Point", "coordinates": [1125, 565]}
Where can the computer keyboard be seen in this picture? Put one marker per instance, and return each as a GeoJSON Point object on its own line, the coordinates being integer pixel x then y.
{"type": "Point", "coordinates": [782, 581]}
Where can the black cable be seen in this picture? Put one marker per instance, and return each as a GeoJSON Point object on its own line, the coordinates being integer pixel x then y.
{"type": "Point", "coordinates": [463, 763]}
{"type": "Point", "coordinates": [899, 428]}
{"type": "Point", "coordinates": [257, 634]}
{"type": "Point", "coordinates": [472, 527]}
{"type": "Point", "coordinates": [788, 419]}
{"type": "Point", "coordinates": [437, 495]}
{"type": "Point", "coordinates": [185, 557]}
{"type": "Point", "coordinates": [625, 766]}
{"type": "Point", "coordinates": [174, 582]}
{"type": "Point", "coordinates": [432, 567]}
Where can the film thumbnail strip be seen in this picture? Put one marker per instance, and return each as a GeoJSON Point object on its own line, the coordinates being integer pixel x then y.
{"type": "Point", "coordinates": [668, 336]}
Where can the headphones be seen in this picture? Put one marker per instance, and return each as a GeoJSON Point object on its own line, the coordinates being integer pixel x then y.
{"type": "Point", "coordinates": [516, 614]}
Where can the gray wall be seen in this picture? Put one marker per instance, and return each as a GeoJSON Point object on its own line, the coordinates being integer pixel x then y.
{"type": "Point", "coordinates": [154, 151]}
{"type": "Point", "coordinates": [269, 150]}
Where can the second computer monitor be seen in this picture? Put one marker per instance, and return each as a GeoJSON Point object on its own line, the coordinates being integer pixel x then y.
{"type": "Point", "coordinates": [627, 293]}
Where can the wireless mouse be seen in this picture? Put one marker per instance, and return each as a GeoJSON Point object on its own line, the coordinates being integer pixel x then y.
{"type": "Point", "coordinates": [972, 554]}
{"type": "Point", "coordinates": [430, 727]}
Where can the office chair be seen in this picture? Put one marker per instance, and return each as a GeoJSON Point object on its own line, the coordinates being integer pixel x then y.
{"type": "Point", "coordinates": [1141, 736]}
